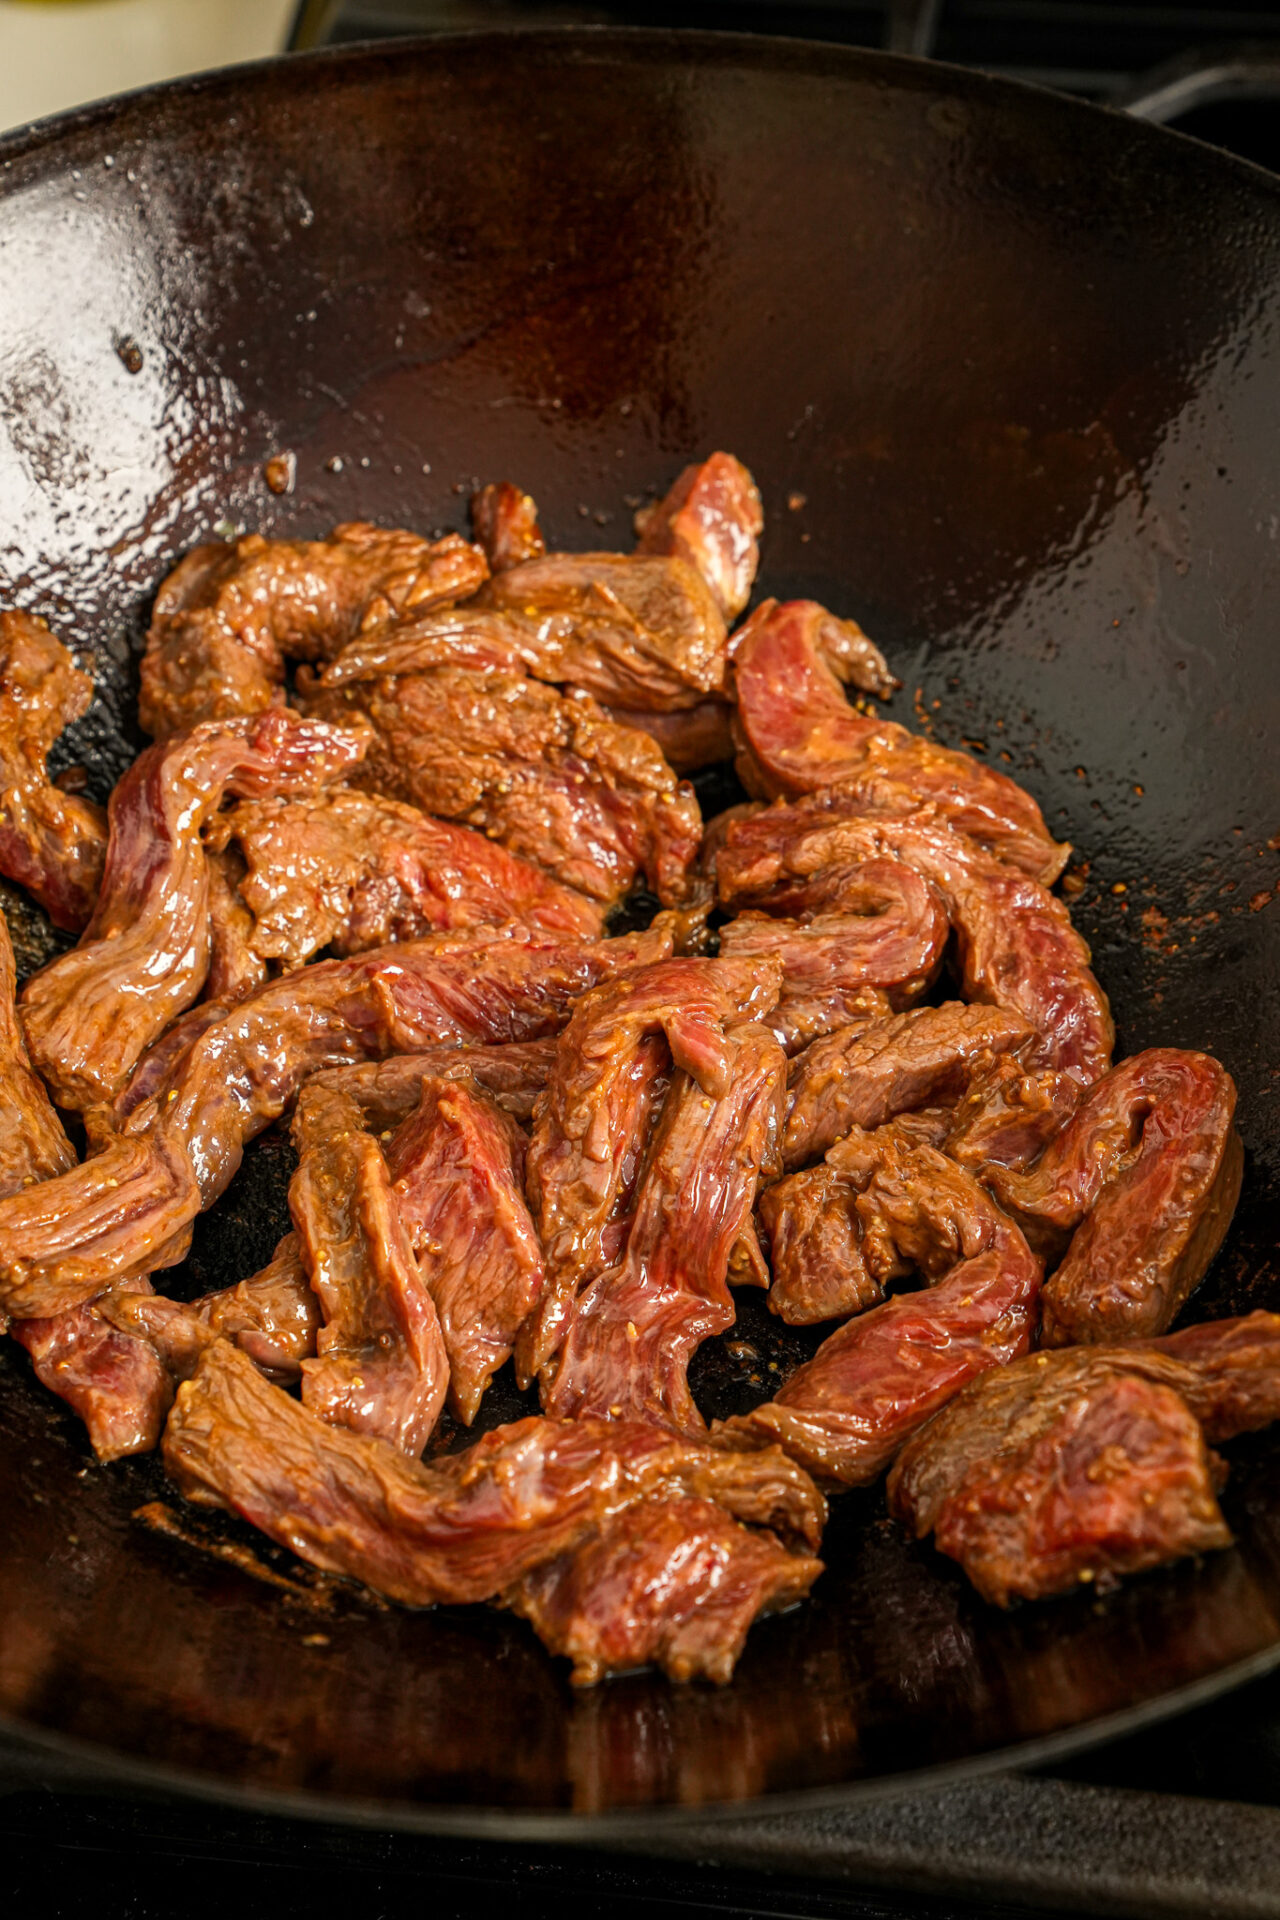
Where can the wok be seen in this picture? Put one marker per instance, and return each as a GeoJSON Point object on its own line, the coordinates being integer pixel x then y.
{"type": "Point", "coordinates": [1007, 369]}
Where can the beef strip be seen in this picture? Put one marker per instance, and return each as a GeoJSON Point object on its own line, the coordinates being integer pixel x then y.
{"type": "Point", "coordinates": [505, 524]}
{"type": "Point", "coordinates": [380, 1365]}
{"type": "Point", "coordinates": [33, 1146]}
{"type": "Point", "coordinates": [1064, 1469]}
{"type": "Point", "coordinates": [52, 843]}
{"type": "Point", "coordinates": [227, 617]}
{"type": "Point", "coordinates": [388, 1091]}
{"type": "Point", "coordinates": [845, 1413]}
{"type": "Point", "coordinates": [878, 926]}
{"type": "Point", "coordinates": [691, 738]}
{"type": "Point", "coordinates": [672, 1583]}
{"type": "Point", "coordinates": [355, 870]}
{"type": "Point", "coordinates": [590, 1124]}
{"type": "Point", "coordinates": [458, 1164]}
{"type": "Point", "coordinates": [711, 518]}
{"type": "Point", "coordinates": [128, 1208]}
{"type": "Point", "coordinates": [799, 733]}
{"type": "Point", "coordinates": [466, 1527]}
{"type": "Point", "coordinates": [863, 1075]}
{"type": "Point", "coordinates": [1235, 1367]}
{"type": "Point", "coordinates": [545, 774]}
{"type": "Point", "coordinates": [1008, 1115]}
{"type": "Point", "coordinates": [235, 969]}
{"type": "Point", "coordinates": [273, 1316]}
{"type": "Point", "coordinates": [639, 631]}
{"type": "Point", "coordinates": [1147, 1173]}
{"type": "Point", "coordinates": [143, 958]}
{"type": "Point", "coordinates": [634, 1330]}
{"type": "Point", "coordinates": [1017, 947]}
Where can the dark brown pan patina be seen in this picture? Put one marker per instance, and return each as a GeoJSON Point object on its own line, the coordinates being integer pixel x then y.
{"type": "Point", "coordinates": [1007, 370]}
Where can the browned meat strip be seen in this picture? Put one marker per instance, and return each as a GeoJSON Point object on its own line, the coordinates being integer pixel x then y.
{"type": "Point", "coordinates": [591, 1123]}
{"type": "Point", "coordinates": [799, 733]}
{"type": "Point", "coordinates": [458, 1164]}
{"type": "Point", "coordinates": [544, 774]}
{"type": "Point", "coordinates": [1147, 1173]}
{"type": "Point", "coordinates": [1236, 1369]}
{"type": "Point", "coordinates": [33, 1146]}
{"type": "Point", "coordinates": [638, 631]}
{"type": "Point", "coordinates": [863, 1075]}
{"type": "Point", "coordinates": [355, 870]}
{"type": "Point", "coordinates": [228, 617]}
{"type": "Point", "coordinates": [711, 518]}
{"type": "Point", "coordinates": [845, 1413]}
{"type": "Point", "coordinates": [467, 1527]}
{"type": "Point", "coordinates": [234, 968]}
{"type": "Point", "coordinates": [380, 1365]}
{"type": "Point", "coordinates": [1017, 947]}
{"type": "Point", "coordinates": [635, 1329]}
{"type": "Point", "coordinates": [388, 1091]}
{"type": "Point", "coordinates": [668, 1583]}
{"type": "Point", "coordinates": [505, 523]}
{"type": "Point", "coordinates": [879, 926]}
{"type": "Point", "coordinates": [143, 957]}
{"type": "Point", "coordinates": [72, 1237]}
{"type": "Point", "coordinates": [52, 843]}
{"type": "Point", "coordinates": [274, 1317]}
{"type": "Point", "coordinates": [1008, 1116]}
{"type": "Point", "coordinates": [1061, 1470]}
{"type": "Point", "coordinates": [690, 738]}
{"type": "Point", "coordinates": [822, 1266]}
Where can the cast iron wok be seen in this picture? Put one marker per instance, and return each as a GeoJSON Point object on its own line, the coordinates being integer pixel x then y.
{"type": "Point", "coordinates": [1007, 370]}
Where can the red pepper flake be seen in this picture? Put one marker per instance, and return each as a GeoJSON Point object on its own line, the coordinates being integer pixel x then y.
{"type": "Point", "coordinates": [1260, 900]}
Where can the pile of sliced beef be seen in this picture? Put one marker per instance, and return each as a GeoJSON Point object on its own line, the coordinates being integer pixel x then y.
{"type": "Point", "coordinates": [361, 884]}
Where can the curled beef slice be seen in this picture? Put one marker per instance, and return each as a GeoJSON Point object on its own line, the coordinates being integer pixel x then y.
{"type": "Point", "coordinates": [863, 1075]}
{"type": "Point", "coordinates": [711, 517]}
{"type": "Point", "coordinates": [380, 1366]}
{"type": "Point", "coordinates": [879, 926]}
{"type": "Point", "coordinates": [463, 1529]}
{"type": "Point", "coordinates": [143, 958]}
{"type": "Point", "coordinates": [234, 967]}
{"type": "Point", "coordinates": [641, 631]}
{"type": "Point", "coordinates": [1017, 948]}
{"type": "Point", "coordinates": [590, 1125]}
{"type": "Point", "coordinates": [845, 1413]}
{"type": "Point", "coordinates": [505, 523]}
{"type": "Point", "coordinates": [120, 1213]}
{"type": "Point", "coordinates": [633, 1331]}
{"type": "Point", "coordinates": [52, 843]}
{"type": "Point", "coordinates": [799, 733]}
{"type": "Point", "coordinates": [458, 1165]}
{"type": "Point", "coordinates": [1145, 1177]}
{"type": "Point", "coordinates": [227, 617]}
{"type": "Point", "coordinates": [688, 739]}
{"type": "Point", "coordinates": [1007, 1116]}
{"type": "Point", "coordinates": [354, 870]}
{"type": "Point", "coordinates": [1062, 1470]}
{"type": "Point", "coordinates": [821, 1267]}
{"type": "Point", "coordinates": [1235, 1369]}
{"type": "Point", "coordinates": [273, 1316]}
{"type": "Point", "coordinates": [545, 774]}
{"type": "Point", "coordinates": [669, 1583]}
{"type": "Point", "coordinates": [388, 1091]}
{"type": "Point", "coordinates": [33, 1146]}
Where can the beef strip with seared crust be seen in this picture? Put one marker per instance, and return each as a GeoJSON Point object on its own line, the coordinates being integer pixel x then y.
{"type": "Point", "coordinates": [545, 774]}
{"type": "Point", "coordinates": [673, 1583]}
{"type": "Point", "coordinates": [227, 617]}
{"type": "Point", "coordinates": [505, 523]}
{"type": "Point", "coordinates": [634, 1330]}
{"type": "Point", "coordinates": [388, 1091]}
{"type": "Point", "coordinates": [52, 843]}
{"type": "Point", "coordinates": [1009, 1114]}
{"type": "Point", "coordinates": [273, 1316]}
{"type": "Point", "coordinates": [143, 958]}
{"type": "Point", "coordinates": [691, 738]}
{"type": "Point", "coordinates": [1145, 1177]}
{"type": "Point", "coordinates": [467, 1527]}
{"type": "Point", "coordinates": [710, 517]}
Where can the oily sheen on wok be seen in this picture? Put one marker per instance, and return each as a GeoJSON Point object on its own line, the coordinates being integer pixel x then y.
{"type": "Point", "coordinates": [842, 1091]}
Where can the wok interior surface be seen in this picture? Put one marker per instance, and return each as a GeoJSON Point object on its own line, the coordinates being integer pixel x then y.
{"type": "Point", "coordinates": [1007, 372]}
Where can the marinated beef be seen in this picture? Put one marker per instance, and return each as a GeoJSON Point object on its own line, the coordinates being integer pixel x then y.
{"type": "Point", "coordinates": [1145, 1177]}
{"type": "Point", "coordinates": [458, 1165]}
{"type": "Point", "coordinates": [467, 1527]}
{"type": "Point", "coordinates": [590, 1125]}
{"type": "Point", "coordinates": [143, 957]}
{"type": "Point", "coordinates": [33, 1146]}
{"type": "Point", "coordinates": [227, 617]}
{"type": "Point", "coordinates": [633, 1331]}
{"type": "Point", "coordinates": [235, 969]}
{"type": "Point", "coordinates": [799, 733]}
{"type": "Point", "coordinates": [128, 1209]}
{"type": "Point", "coordinates": [690, 738]}
{"type": "Point", "coordinates": [1007, 1116]}
{"type": "Point", "coordinates": [862, 1075]}
{"type": "Point", "coordinates": [545, 774]}
{"type": "Point", "coordinates": [388, 1091]}
{"type": "Point", "coordinates": [52, 843]}
{"type": "Point", "coordinates": [670, 1583]}
{"type": "Point", "coordinates": [1017, 948]}
{"type": "Point", "coordinates": [879, 926]}
{"type": "Point", "coordinates": [273, 1316]}
{"type": "Point", "coordinates": [711, 518]}
{"type": "Point", "coordinates": [505, 523]}
{"type": "Point", "coordinates": [845, 1413]}
{"type": "Point", "coordinates": [354, 870]}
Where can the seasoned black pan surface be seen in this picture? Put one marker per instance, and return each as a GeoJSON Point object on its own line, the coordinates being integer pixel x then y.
{"type": "Point", "coordinates": [1008, 371]}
